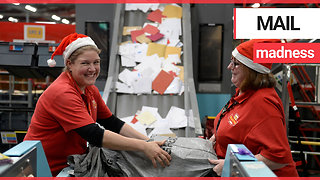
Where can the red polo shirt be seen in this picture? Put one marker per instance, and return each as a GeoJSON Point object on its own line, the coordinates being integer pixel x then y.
{"type": "Point", "coordinates": [60, 109]}
{"type": "Point", "coordinates": [258, 122]}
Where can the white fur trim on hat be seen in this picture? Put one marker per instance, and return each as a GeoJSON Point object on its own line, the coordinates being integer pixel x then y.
{"type": "Point", "coordinates": [249, 63]}
{"type": "Point", "coordinates": [51, 62]}
{"type": "Point", "coordinates": [80, 42]}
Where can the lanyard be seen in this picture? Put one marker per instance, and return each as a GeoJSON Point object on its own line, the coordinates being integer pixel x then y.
{"type": "Point", "coordinates": [84, 98]}
{"type": "Point", "coordinates": [225, 109]}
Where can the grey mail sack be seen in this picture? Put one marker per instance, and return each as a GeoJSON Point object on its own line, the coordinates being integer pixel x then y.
{"type": "Point", "coordinates": [189, 159]}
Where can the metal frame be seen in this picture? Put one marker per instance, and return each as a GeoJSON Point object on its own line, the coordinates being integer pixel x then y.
{"type": "Point", "coordinates": [117, 102]}
{"type": "Point", "coordinates": [285, 97]}
{"type": "Point", "coordinates": [286, 104]}
{"type": "Point", "coordinates": [11, 102]}
{"type": "Point", "coordinates": [27, 152]}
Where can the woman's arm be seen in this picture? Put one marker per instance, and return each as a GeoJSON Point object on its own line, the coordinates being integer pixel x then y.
{"type": "Point", "coordinates": [152, 150]}
{"type": "Point", "coordinates": [116, 125]}
{"type": "Point", "coordinates": [271, 164]}
{"type": "Point", "coordinates": [128, 131]}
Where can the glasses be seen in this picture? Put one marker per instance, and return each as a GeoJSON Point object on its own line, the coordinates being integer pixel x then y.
{"type": "Point", "coordinates": [234, 63]}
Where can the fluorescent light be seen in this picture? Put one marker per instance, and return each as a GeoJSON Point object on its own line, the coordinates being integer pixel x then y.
{"type": "Point", "coordinates": [12, 19]}
{"type": "Point", "coordinates": [30, 8]}
{"type": "Point", "coordinates": [65, 21]}
{"type": "Point", "coordinates": [17, 4]}
{"type": "Point", "coordinates": [45, 22]}
{"type": "Point", "coordinates": [1, 16]}
{"type": "Point", "coordinates": [256, 5]}
{"type": "Point", "coordinates": [55, 17]}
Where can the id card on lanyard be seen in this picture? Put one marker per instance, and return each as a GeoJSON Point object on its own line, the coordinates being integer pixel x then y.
{"type": "Point", "coordinates": [225, 109]}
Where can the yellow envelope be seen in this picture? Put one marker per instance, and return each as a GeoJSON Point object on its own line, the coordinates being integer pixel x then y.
{"type": "Point", "coordinates": [172, 50]}
{"type": "Point", "coordinates": [172, 11]}
{"type": "Point", "coordinates": [143, 39]}
{"type": "Point", "coordinates": [146, 118]}
{"type": "Point", "coordinates": [154, 48]}
{"type": "Point", "coordinates": [128, 29]}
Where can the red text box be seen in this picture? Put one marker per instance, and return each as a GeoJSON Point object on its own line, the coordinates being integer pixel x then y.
{"type": "Point", "coordinates": [286, 53]}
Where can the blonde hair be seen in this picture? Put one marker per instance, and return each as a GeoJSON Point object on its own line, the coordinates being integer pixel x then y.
{"type": "Point", "coordinates": [78, 52]}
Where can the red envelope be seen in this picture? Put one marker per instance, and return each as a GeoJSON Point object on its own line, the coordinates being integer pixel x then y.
{"type": "Point", "coordinates": [162, 82]}
{"type": "Point", "coordinates": [155, 37]}
{"type": "Point", "coordinates": [155, 16]}
{"type": "Point", "coordinates": [135, 34]}
{"type": "Point", "coordinates": [134, 120]}
{"type": "Point", "coordinates": [151, 29]}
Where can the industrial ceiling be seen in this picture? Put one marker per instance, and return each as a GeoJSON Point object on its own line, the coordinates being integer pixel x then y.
{"type": "Point", "coordinates": [38, 12]}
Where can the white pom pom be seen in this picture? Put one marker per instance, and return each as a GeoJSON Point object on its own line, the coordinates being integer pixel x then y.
{"type": "Point", "coordinates": [51, 62]}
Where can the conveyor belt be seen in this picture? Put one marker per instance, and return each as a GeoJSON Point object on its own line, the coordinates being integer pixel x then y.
{"type": "Point", "coordinates": [124, 105]}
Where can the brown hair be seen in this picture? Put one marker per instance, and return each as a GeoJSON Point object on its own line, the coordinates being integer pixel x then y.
{"type": "Point", "coordinates": [79, 51]}
{"type": "Point", "coordinates": [255, 80]}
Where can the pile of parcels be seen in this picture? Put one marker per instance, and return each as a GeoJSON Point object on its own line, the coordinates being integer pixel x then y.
{"type": "Point", "coordinates": [151, 61]}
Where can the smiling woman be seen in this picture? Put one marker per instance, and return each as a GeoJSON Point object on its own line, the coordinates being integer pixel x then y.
{"type": "Point", "coordinates": [67, 113]}
{"type": "Point", "coordinates": [84, 66]}
{"type": "Point", "coordinates": [254, 115]}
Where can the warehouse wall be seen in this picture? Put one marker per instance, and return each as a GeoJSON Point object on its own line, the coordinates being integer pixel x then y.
{"type": "Point", "coordinates": [214, 14]}
{"type": "Point", "coordinates": [95, 12]}
{"type": "Point", "coordinates": [210, 103]}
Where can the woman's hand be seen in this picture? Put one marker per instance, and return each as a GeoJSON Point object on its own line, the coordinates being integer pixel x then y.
{"type": "Point", "coordinates": [213, 138]}
{"type": "Point", "coordinates": [153, 151]}
{"type": "Point", "coordinates": [219, 165]}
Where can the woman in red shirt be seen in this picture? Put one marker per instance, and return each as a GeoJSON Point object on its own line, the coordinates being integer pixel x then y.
{"type": "Point", "coordinates": [254, 116]}
{"type": "Point", "coordinates": [65, 116]}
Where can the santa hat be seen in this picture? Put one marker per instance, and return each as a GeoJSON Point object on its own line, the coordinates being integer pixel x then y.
{"type": "Point", "coordinates": [68, 45]}
{"type": "Point", "coordinates": [244, 54]}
